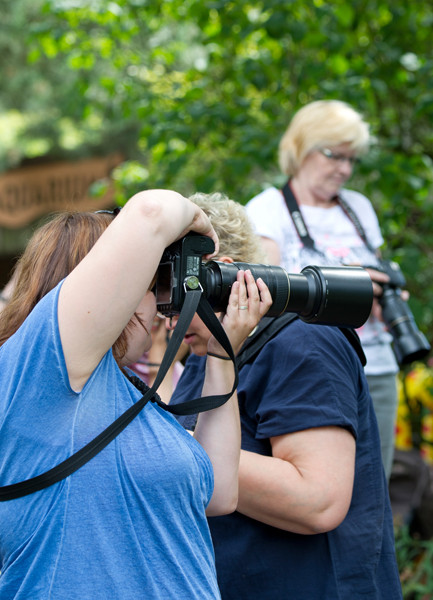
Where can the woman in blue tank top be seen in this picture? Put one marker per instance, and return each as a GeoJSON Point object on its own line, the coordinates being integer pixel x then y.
{"type": "Point", "coordinates": [130, 523]}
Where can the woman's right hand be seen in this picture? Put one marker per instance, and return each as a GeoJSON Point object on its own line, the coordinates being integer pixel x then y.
{"type": "Point", "coordinates": [178, 215]}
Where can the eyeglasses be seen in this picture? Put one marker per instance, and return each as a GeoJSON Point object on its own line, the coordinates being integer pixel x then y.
{"type": "Point", "coordinates": [352, 160]}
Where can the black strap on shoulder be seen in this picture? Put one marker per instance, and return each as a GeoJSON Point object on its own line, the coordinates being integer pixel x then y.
{"type": "Point", "coordinates": [301, 227]}
{"type": "Point", "coordinates": [270, 326]}
{"type": "Point", "coordinates": [265, 330]}
{"type": "Point", "coordinates": [356, 222]}
{"type": "Point", "coordinates": [194, 301]}
{"type": "Point", "coordinates": [297, 218]}
{"type": "Point", "coordinates": [353, 338]}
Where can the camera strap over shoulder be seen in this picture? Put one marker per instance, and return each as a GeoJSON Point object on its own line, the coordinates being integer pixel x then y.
{"type": "Point", "coordinates": [301, 227]}
{"type": "Point", "coordinates": [194, 302]}
{"type": "Point", "coordinates": [270, 326]}
{"type": "Point", "coordinates": [265, 330]}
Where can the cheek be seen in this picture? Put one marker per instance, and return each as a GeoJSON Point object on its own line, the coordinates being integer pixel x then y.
{"type": "Point", "coordinates": [314, 170]}
{"type": "Point", "coordinates": [200, 328]}
{"type": "Point", "coordinates": [203, 336]}
{"type": "Point", "coordinates": [147, 309]}
{"type": "Point", "coordinates": [152, 301]}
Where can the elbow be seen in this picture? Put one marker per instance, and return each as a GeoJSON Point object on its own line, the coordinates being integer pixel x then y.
{"type": "Point", "coordinates": [231, 503]}
{"type": "Point", "coordinates": [326, 520]}
{"type": "Point", "coordinates": [145, 207]}
{"type": "Point", "coordinates": [226, 509]}
{"type": "Point", "coordinates": [223, 504]}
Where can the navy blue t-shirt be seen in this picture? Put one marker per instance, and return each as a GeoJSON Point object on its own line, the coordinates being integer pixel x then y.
{"type": "Point", "coordinates": [307, 376]}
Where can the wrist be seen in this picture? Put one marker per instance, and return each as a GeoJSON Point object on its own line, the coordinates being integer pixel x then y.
{"type": "Point", "coordinates": [220, 356]}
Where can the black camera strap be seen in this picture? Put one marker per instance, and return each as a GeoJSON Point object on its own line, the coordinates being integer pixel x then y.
{"type": "Point", "coordinates": [194, 302]}
{"type": "Point", "coordinates": [302, 229]}
{"type": "Point", "coordinates": [270, 326]}
{"type": "Point", "coordinates": [205, 312]}
{"type": "Point", "coordinates": [297, 218]}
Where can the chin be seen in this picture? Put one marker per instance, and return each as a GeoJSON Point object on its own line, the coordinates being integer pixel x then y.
{"type": "Point", "coordinates": [198, 351]}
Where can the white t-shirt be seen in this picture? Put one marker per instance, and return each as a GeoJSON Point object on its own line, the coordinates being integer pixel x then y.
{"type": "Point", "coordinates": [338, 242]}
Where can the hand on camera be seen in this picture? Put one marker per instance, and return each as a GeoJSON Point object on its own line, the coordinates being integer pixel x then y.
{"type": "Point", "coordinates": [249, 301]}
{"type": "Point", "coordinates": [379, 278]}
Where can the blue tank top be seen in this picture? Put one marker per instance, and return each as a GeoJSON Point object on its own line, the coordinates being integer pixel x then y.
{"type": "Point", "coordinates": [131, 522]}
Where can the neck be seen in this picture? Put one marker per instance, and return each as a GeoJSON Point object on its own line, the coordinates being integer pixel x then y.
{"type": "Point", "coordinates": [305, 195]}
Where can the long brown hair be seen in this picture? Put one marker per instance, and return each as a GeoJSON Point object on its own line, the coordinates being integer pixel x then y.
{"type": "Point", "coordinates": [54, 250]}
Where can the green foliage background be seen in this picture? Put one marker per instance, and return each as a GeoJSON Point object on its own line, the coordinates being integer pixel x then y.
{"type": "Point", "coordinates": [197, 93]}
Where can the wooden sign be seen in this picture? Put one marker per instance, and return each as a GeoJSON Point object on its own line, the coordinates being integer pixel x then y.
{"type": "Point", "coordinates": [29, 192]}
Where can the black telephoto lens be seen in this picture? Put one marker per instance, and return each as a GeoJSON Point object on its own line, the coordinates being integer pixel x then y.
{"type": "Point", "coordinates": [324, 295]}
{"type": "Point", "coordinates": [409, 343]}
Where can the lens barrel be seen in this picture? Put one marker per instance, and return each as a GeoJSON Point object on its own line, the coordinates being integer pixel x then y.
{"type": "Point", "coordinates": [409, 343]}
{"type": "Point", "coordinates": [324, 295]}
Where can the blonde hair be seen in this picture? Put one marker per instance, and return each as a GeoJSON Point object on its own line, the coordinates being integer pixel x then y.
{"type": "Point", "coordinates": [321, 124]}
{"type": "Point", "coordinates": [235, 232]}
{"type": "Point", "coordinates": [53, 251]}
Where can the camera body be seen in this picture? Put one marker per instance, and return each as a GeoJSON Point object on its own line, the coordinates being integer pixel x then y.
{"type": "Point", "coordinates": [324, 295]}
{"type": "Point", "coordinates": [396, 278]}
{"type": "Point", "coordinates": [409, 344]}
{"type": "Point", "coordinates": [180, 268]}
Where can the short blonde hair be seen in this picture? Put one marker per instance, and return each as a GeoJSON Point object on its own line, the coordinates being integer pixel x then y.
{"type": "Point", "coordinates": [321, 124]}
{"type": "Point", "coordinates": [235, 232]}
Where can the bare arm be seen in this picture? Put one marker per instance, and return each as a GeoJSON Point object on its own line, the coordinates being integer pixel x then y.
{"type": "Point", "coordinates": [218, 431]}
{"type": "Point", "coordinates": [305, 486]}
{"type": "Point", "coordinates": [99, 297]}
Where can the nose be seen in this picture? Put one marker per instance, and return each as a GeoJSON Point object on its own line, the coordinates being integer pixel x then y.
{"type": "Point", "coordinates": [345, 167]}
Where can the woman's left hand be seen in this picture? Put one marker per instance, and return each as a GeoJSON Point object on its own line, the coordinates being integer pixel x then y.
{"type": "Point", "coordinates": [249, 301]}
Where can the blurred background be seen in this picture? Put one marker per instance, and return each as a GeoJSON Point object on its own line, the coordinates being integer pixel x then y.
{"type": "Point", "coordinates": [102, 98]}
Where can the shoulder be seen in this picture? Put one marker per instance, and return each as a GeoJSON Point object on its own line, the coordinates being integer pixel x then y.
{"type": "Point", "coordinates": [296, 341]}
{"type": "Point", "coordinates": [269, 195]}
{"type": "Point", "coordinates": [41, 322]}
{"type": "Point", "coordinates": [364, 210]}
{"type": "Point", "coordinates": [306, 374]}
{"type": "Point", "coordinates": [311, 345]}
{"type": "Point", "coordinates": [268, 213]}
{"type": "Point", "coordinates": [357, 200]}
{"type": "Point", "coordinates": [34, 354]}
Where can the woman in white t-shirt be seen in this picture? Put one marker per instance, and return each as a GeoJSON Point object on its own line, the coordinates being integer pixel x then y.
{"type": "Point", "coordinates": [317, 153]}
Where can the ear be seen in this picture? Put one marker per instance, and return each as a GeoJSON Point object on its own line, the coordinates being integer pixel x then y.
{"type": "Point", "coordinates": [225, 259]}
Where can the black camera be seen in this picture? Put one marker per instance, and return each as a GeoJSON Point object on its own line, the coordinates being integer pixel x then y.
{"type": "Point", "coordinates": [325, 295]}
{"type": "Point", "coordinates": [409, 343]}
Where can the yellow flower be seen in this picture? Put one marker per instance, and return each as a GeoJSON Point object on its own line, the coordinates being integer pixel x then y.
{"type": "Point", "coordinates": [419, 386]}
